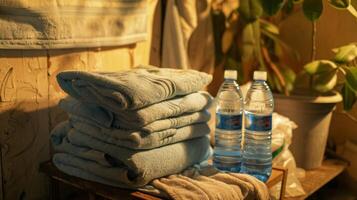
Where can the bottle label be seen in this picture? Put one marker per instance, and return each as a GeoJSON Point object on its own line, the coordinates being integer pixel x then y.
{"type": "Point", "coordinates": [258, 123]}
{"type": "Point", "coordinates": [229, 122]}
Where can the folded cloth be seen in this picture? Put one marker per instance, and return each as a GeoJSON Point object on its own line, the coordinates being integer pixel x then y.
{"type": "Point", "coordinates": [210, 184]}
{"type": "Point", "coordinates": [132, 89]}
{"type": "Point", "coordinates": [190, 184]}
{"type": "Point", "coordinates": [134, 119]}
{"type": "Point", "coordinates": [89, 170]}
{"type": "Point", "coordinates": [140, 139]}
{"type": "Point", "coordinates": [61, 143]}
{"type": "Point", "coordinates": [94, 114]}
{"type": "Point", "coordinates": [136, 168]}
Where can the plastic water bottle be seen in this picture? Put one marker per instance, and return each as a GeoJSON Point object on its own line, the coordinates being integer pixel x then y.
{"type": "Point", "coordinates": [258, 109]}
{"type": "Point", "coordinates": [228, 135]}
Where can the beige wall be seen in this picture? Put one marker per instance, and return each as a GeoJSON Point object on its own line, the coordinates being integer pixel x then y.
{"type": "Point", "coordinates": [334, 28]}
{"type": "Point", "coordinates": [28, 97]}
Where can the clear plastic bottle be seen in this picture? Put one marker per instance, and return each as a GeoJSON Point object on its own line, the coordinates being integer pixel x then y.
{"type": "Point", "coordinates": [258, 109]}
{"type": "Point", "coordinates": [228, 135]}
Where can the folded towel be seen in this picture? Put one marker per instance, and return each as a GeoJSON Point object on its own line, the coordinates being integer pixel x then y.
{"type": "Point", "coordinates": [209, 184]}
{"type": "Point", "coordinates": [140, 139]}
{"type": "Point", "coordinates": [89, 170]}
{"type": "Point", "coordinates": [132, 89]}
{"type": "Point", "coordinates": [61, 143]}
{"type": "Point", "coordinates": [135, 119]}
{"type": "Point", "coordinates": [137, 168]}
{"type": "Point", "coordinates": [94, 114]}
{"type": "Point", "coordinates": [205, 184]}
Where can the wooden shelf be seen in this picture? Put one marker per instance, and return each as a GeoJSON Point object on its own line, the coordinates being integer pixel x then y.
{"type": "Point", "coordinates": [92, 188]}
{"type": "Point", "coordinates": [315, 179]}
{"type": "Point", "coordinates": [108, 192]}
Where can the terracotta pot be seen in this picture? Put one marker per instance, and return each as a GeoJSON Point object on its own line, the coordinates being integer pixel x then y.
{"type": "Point", "coordinates": [313, 116]}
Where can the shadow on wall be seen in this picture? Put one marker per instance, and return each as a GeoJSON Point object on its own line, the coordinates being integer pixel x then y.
{"type": "Point", "coordinates": [24, 140]}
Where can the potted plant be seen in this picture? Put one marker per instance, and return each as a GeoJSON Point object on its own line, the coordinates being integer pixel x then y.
{"type": "Point", "coordinates": [318, 88]}
{"type": "Point", "coordinates": [250, 40]}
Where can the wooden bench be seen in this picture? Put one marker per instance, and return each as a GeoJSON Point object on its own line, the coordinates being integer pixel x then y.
{"type": "Point", "coordinates": [317, 178]}
{"type": "Point", "coordinates": [95, 190]}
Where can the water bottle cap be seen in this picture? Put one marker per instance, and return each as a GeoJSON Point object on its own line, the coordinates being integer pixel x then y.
{"type": "Point", "coordinates": [260, 75]}
{"type": "Point", "coordinates": [230, 74]}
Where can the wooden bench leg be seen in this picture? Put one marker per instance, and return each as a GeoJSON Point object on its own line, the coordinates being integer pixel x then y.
{"type": "Point", "coordinates": [54, 189]}
{"type": "Point", "coordinates": [283, 184]}
{"type": "Point", "coordinates": [91, 196]}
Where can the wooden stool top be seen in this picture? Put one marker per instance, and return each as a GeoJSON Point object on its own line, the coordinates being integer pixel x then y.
{"type": "Point", "coordinates": [110, 192]}
{"type": "Point", "coordinates": [105, 191]}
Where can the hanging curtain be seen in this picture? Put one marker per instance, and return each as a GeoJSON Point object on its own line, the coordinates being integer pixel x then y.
{"type": "Point", "coordinates": [188, 36]}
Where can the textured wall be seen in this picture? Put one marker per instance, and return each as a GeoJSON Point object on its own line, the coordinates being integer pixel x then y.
{"type": "Point", "coordinates": [23, 122]}
{"type": "Point", "coordinates": [28, 97]}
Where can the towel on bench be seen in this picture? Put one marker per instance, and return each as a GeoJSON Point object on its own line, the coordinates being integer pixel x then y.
{"type": "Point", "coordinates": [207, 183]}
{"type": "Point", "coordinates": [140, 139]}
{"type": "Point", "coordinates": [136, 168]}
{"type": "Point", "coordinates": [131, 89]}
{"type": "Point", "coordinates": [134, 119]}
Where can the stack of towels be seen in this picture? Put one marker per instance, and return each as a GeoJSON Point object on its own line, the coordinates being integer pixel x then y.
{"type": "Point", "coordinates": [127, 128]}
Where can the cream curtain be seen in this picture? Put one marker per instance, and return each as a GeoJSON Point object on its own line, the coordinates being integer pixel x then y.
{"type": "Point", "coordinates": [188, 36]}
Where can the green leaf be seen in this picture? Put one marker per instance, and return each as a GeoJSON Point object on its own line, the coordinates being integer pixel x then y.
{"type": "Point", "coordinates": [340, 4]}
{"type": "Point", "coordinates": [345, 53]}
{"type": "Point", "coordinates": [351, 78]}
{"type": "Point", "coordinates": [271, 7]}
{"type": "Point", "coordinates": [319, 66]}
{"type": "Point", "coordinates": [281, 43]}
{"type": "Point", "coordinates": [325, 82]}
{"type": "Point", "coordinates": [258, 48]}
{"type": "Point", "coordinates": [248, 42]}
{"type": "Point", "coordinates": [312, 9]}
{"type": "Point", "coordinates": [289, 74]}
{"type": "Point", "coordinates": [269, 27]}
{"type": "Point", "coordinates": [349, 97]}
{"type": "Point", "coordinates": [290, 77]}
{"type": "Point", "coordinates": [250, 10]}
{"type": "Point", "coordinates": [297, 1]}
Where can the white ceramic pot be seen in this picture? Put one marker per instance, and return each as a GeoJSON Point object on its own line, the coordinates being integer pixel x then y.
{"type": "Point", "coordinates": [313, 116]}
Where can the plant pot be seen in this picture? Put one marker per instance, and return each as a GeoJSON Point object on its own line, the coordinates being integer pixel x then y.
{"type": "Point", "coordinates": [313, 116]}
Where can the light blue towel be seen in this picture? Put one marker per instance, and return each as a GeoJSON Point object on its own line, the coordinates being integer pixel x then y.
{"type": "Point", "coordinates": [139, 139]}
{"type": "Point", "coordinates": [133, 89]}
{"type": "Point", "coordinates": [92, 113]}
{"type": "Point", "coordinates": [134, 119]}
{"type": "Point", "coordinates": [87, 169]}
{"type": "Point", "coordinates": [61, 143]}
{"type": "Point", "coordinates": [135, 168]}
